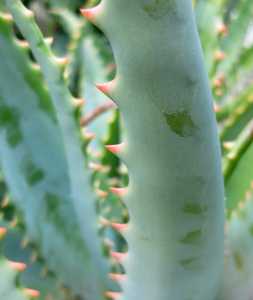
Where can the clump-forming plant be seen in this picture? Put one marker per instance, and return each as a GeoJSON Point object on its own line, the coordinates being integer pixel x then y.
{"type": "Point", "coordinates": [100, 205]}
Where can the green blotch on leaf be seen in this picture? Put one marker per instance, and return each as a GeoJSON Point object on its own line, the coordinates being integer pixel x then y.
{"type": "Point", "coordinates": [181, 123]}
{"type": "Point", "coordinates": [56, 212]}
{"type": "Point", "coordinates": [238, 259]}
{"type": "Point", "coordinates": [53, 203]}
{"type": "Point", "coordinates": [33, 174]}
{"type": "Point", "coordinates": [10, 121]}
{"type": "Point", "coordinates": [194, 208]}
{"type": "Point", "coordinates": [158, 8]}
{"type": "Point", "coordinates": [44, 101]}
{"type": "Point", "coordinates": [6, 115]}
{"type": "Point", "coordinates": [189, 263]}
{"type": "Point", "coordinates": [14, 137]}
{"type": "Point", "coordinates": [192, 237]}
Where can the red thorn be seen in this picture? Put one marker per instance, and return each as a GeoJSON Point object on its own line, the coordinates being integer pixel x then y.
{"type": "Point", "coordinates": [106, 87]}
{"type": "Point", "coordinates": [7, 17]}
{"type": "Point", "coordinates": [32, 293]}
{"type": "Point", "coordinates": [113, 295]}
{"type": "Point", "coordinates": [119, 227]}
{"type": "Point", "coordinates": [118, 256]}
{"type": "Point", "coordinates": [117, 277]}
{"type": "Point", "coordinates": [104, 222]}
{"type": "Point", "coordinates": [101, 194]}
{"type": "Point", "coordinates": [108, 243]}
{"type": "Point", "coordinates": [228, 145]}
{"type": "Point", "coordinates": [78, 102]}
{"type": "Point", "coordinates": [89, 136]}
{"type": "Point", "coordinates": [95, 167]}
{"type": "Point", "coordinates": [17, 266]}
{"type": "Point", "coordinates": [5, 202]}
{"type": "Point", "coordinates": [222, 29]}
{"type": "Point", "coordinates": [119, 191]}
{"type": "Point", "coordinates": [3, 232]}
{"type": "Point", "coordinates": [23, 43]}
{"type": "Point", "coordinates": [115, 149]}
{"type": "Point", "coordinates": [219, 55]}
{"type": "Point", "coordinates": [90, 13]}
{"type": "Point", "coordinates": [216, 108]}
{"type": "Point", "coordinates": [49, 40]}
{"type": "Point", "coordinates": [62, 61]}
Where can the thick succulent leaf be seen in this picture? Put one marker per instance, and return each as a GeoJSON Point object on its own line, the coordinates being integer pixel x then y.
{"type": "Point", "coordinates": [54, 196]}
{"type": "Point", "coordinates": [171, 150]}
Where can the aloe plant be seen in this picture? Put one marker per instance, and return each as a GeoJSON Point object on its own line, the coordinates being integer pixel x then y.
{"type": "Point", "coordinates": [112, 154]}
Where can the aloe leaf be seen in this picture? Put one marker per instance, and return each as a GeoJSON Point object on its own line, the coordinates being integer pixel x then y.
{"type": "Point", "coordinates": [38, 141]}
{"type": "Point", "coordinates": [175, 193]}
